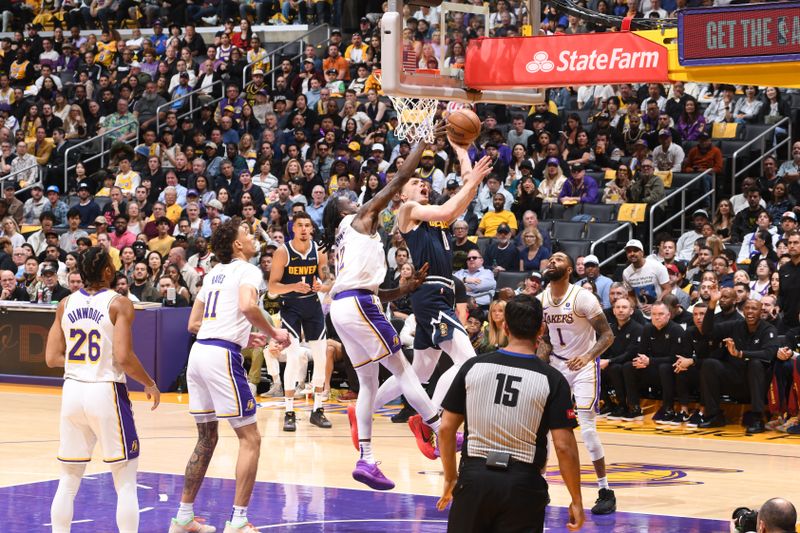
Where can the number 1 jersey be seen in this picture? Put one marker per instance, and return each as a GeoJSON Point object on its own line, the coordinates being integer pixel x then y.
{"type": "Point", "coordinates": [568, 326]}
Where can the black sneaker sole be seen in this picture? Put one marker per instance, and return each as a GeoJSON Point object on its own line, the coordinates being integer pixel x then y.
{"type": "Point", "coordinates": [320, 424]}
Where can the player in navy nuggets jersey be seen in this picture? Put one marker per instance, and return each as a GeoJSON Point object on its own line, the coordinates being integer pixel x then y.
{"type": "Point", "coordinates": [299, 272]}
{"type": "Point", "coordinates": [92, 339]}
{"type": "Point", "coordinates": [424, 228]}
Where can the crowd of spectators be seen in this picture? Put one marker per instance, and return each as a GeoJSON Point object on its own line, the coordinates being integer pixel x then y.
{"type": "Point", "coordinates": [262, 146]}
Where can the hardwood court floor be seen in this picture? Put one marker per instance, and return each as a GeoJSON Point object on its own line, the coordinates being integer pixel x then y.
{"type": "Point", "coordinates": [658, 473]}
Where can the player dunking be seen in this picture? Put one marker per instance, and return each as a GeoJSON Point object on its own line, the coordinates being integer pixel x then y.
{"type": "Point", "coordinates": [424, 228]}
{"type": "Point", "coordinates": [577, 333]}
{"type": "Point", "coordinates": [93, 326]}
{"type": "Point", "coordinates": [357, 315]}
{"type": "Point", "coordinates": [226, 307]}
{"type": "Point", "coordinates": [297, 268]}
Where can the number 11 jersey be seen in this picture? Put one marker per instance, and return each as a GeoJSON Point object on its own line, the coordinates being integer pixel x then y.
{"type": "Point", "coordinates": [222, 318]}
{"type": "Point", "coordinates": [568, 321]}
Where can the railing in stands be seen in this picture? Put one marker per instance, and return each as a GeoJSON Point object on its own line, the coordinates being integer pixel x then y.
{"type": "Point", "coordinates": [684, 207]}
{"type": "Point", "coordinates": [785, 123]}
{"type": "Point", "coordinates": [101, 138]}
{"type": "Point", "coordinates": [192, 96]}
{"type": "Point", "coordinates": [607, 237]}
{"type": "Point", "coordinates": [28, 185]}
{"type": "Point", "coordinates": [300, 42]}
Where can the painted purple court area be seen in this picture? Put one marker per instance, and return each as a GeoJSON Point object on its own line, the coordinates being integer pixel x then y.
{"type": "Point", "coordinates": [283, 507]}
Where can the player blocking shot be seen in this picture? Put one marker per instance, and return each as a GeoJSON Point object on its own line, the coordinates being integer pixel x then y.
{"type": "Point", "coordinates": [577, 333]}
{"type": "Point", "coordinates": [92, 339]}
{"type": "Point", "coordinates": [299, 272]}
{"type": "Point", "coordinates": [227, 307]}
{"type": "Point", "coordinates": [424, 228]}
{"type": "Point", "coordinates": [368, 337]}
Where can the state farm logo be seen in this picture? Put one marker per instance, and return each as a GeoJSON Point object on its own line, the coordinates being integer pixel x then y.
{"type": "Point", "coordinates": [541, 63]}
{"type": "Point", "coordinates": [575, 61]}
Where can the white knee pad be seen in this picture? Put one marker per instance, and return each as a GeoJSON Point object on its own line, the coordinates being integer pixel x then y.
{"type": "Point", "coordinates": [425, 363]}
{"type": "Point", "coordinates": [587, 420]}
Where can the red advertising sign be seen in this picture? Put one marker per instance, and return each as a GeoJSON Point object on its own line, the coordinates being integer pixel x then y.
{"type": "Point", "coordinates": [759, 33]}
{"type": "Point", "coordinates": [560, 60]}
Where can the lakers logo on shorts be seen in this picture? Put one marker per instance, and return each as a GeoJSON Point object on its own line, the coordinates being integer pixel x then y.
{"type": "Point", "coordinates": [443, 329]}
{"type": "Point", "coordinates": [135, 446]}
{"type": "Point", "coordinates": [395, 340]}
{"type": "Point", "coordinates": [251, 404]}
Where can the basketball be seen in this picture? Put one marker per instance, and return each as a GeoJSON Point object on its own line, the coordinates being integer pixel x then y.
{"type": "Point", "coordinates": [463, 126]}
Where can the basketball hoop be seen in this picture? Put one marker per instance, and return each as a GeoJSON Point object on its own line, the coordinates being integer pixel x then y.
{"type": "Point", "coordinates": [414, 115]}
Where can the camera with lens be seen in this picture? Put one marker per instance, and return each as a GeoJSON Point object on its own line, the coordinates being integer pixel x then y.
{"type": "Point", "coordinates": [745, 519]}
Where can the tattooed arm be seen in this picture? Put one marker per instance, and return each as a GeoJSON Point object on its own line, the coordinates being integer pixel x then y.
{"type": "Point", "coordinates": [605, 338]}
{"type": "Point", "coordinates": [324, 274]}
{"type": "Point", "coordinates": [545, 348]}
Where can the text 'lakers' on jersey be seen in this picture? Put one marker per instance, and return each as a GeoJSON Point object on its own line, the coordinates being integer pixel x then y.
{"type": "Point", "coordinates": [568, 321]}
{"type": "Point", "coordinates": [89, 335]}
{"type": "Point", "coordinates": [360, 259]}
{"type": "Point", "coordinates": [220, 296]}
{"type": "Point", "coordinates": [428, 243]}
{"type": "Point", "coordinates": [300, 268]}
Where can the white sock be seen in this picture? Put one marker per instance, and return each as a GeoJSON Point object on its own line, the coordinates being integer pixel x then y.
{"type": "Point", "coordinates": [185, 513]}
{"type": "Point", "coordinates": [602, 482]}
{"type": "Point", "coordinates": [319, 397]}
{"type": "Point", "coordinates": [435, 424]}
{"type": "Point", "coordinates": [289, 403]}
{"type": "Point", "coordinates": [239, 516]}
{"type": "Point", "coordinates": [366, 451]}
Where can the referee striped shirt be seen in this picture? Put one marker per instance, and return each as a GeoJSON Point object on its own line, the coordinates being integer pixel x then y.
{"type": "Point", "coordinates": [509, 402]}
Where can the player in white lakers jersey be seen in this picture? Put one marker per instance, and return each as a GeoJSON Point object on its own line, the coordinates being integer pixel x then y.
{"type": "Point", "coordinates": [91, 338]}
{"type": "Point", "coordinates": [358, 317]}
{"type": "Point", "coordinates": [577, 333]}
{"type": "Point", "coordinates": [226, 309]}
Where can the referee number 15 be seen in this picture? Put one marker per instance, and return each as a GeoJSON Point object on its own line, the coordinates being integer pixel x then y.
{"type": "Point", "coordinates": [507, 392]}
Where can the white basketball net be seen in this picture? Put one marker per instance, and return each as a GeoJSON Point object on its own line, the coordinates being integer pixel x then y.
{"type": "Point", "coordinates": [414, 117]}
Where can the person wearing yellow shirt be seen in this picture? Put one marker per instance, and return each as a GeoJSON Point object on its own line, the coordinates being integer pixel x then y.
{"type": "Point", "coordinates": [106, 49]}
{"type": "Point", "coordinates": [127, 179]}
{"type": "Point", "coordinates": [357, 52]}
{"type": "Point", "coordinates": [174, 209]}
{"type": "Point", "coordinates": [105, 242]}
{"type": "Point", "coordinates": [161, 243]}
{"type": "Point", "coordinates": [492, 219]}
{"type": "Point", "coordinates": [41, 147]}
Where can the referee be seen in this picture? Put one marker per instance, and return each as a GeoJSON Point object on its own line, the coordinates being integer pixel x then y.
{"type": "Point", "coordinates": [509, 399]}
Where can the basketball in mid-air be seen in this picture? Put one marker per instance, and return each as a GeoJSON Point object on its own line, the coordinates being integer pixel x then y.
{"type": "Point", "coordinates": [463, 126]}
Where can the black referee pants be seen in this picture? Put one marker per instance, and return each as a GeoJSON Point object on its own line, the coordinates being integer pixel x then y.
{"type": "Point", "coordinates": [502, 501]}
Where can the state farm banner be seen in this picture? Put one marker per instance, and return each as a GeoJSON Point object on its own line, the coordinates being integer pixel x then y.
{"type": "Point", "coordinates": [558, 60]}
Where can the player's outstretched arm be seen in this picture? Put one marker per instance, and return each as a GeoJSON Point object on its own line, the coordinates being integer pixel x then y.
{"type": "Point", "coordinates": [405, 287]}
{"type": "Point", "coordinates": [459, 202]}
{"type": "Point", "coordinates": [56, 350]}
{"type": "Point", "coordinates": [250, 307]}
{"type": "Point", "coordinates": [121, 315]}
{"type": "Point", "coordinates": [366, 219]}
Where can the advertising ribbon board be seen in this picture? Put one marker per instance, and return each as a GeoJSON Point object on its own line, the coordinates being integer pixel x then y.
{"type": "Point", "coordinates": [761, 33]}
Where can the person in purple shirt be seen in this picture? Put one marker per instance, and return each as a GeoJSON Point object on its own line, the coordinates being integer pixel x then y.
{"type": "Point", "coordinates": [579, 188]}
